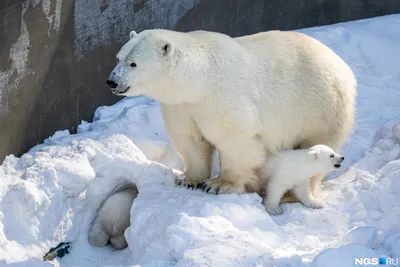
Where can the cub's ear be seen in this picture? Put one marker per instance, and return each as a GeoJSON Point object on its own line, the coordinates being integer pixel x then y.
{"type": "Point", "coordinates": [166, 48]}
{"type": "Point", "coordinates": [313, 154]}
{"type": "Point", "coordinates": [132, 34]}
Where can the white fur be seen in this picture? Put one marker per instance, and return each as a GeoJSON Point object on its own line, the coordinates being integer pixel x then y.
{"type": "Point", "coordinates": [250, 97]}
{"type": "Point", "coordinates": [292, 169]}
{"type": "Point", "coordinates": [112, 220]}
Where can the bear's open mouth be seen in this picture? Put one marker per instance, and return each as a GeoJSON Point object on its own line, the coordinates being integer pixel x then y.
{"type": "Point", "coordinates": [116, 92]}
{"type": "Point", "coordinates": [337, 165]}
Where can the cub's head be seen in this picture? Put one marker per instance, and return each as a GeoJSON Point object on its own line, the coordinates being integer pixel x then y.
{"type": "Point", "coordinates": [158, 64]}
{"type": "Point", "coordinates": [326, 157]}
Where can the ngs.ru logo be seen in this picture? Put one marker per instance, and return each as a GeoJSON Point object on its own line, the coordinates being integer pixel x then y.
{"type": "Point", "coordinates": [376, 261]}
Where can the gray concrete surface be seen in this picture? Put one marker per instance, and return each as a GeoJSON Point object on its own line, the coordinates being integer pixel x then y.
{"type": "Point", "coordinates": [56, 54]}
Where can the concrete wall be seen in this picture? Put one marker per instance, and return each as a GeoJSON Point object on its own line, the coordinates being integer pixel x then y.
{"type": "Point", "coordinates": [56, 54]}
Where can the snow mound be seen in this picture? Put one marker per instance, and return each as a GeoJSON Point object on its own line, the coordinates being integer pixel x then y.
{"type": "Point", "coordinates": [52, 195]}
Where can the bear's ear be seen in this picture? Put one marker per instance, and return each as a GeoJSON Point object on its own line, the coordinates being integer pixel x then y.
{"type": "Point", "coordinates": [132, 34]}
{"type": "Point", "coordinates": [313, 154]}
{"type": "Point", "coordinates": [166, 48]}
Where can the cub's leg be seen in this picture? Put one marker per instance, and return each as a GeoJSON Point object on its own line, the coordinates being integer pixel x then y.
{"type": "Point", "coordinates": [303, 193]}
{"type": "Point", "coordinates": [194, 150]}
{"type": "Point", "coordinates": [98, 236]}
{"type": "Point", "coordinates": [274, 192]}
{"type": "Point", "coordinates": [119, 242]}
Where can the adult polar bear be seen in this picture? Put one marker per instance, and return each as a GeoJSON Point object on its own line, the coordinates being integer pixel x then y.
{"type": "Point", "coordinates": [249, 97]}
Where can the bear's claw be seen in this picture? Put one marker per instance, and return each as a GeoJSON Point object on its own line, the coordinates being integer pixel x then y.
{"type": "Point", "coordinates": [218, 186]}
{"type": "Point", "coordinates": [186, 183]}
{"type": "Point", "coordinates": [211, 186]}
{"type": "Point", "coordinates": [206, 187]}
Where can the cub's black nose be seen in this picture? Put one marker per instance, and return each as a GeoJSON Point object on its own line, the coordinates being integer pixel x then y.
{"type": "Point", "coordinates": [111, 84]}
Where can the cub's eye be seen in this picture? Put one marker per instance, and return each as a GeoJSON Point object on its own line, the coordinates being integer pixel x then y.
{"type": "Point", "coordinates": [332, 155]}
{"type": "Point", "coordinates": [133, 64]}
{"type": "Point", "coordinates": [117, 60]}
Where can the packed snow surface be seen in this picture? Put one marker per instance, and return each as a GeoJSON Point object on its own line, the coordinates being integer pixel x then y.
{"type": "Point", "coordinates": [51, 193]}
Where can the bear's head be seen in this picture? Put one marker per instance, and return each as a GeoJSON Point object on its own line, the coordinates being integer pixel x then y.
{"type": "Point", "coordinates": [161, 64]}
{"type": "Point", "coordinates": [325, 157]}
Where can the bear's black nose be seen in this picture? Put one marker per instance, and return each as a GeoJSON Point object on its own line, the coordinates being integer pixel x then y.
{"type": "Point", "coordinates": [111, 84]}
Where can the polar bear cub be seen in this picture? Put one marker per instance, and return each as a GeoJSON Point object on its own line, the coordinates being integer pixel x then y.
{"type": "Point", "coordinates": [292, 169]}
{"type": "Point", "coordinates": [112, 220]}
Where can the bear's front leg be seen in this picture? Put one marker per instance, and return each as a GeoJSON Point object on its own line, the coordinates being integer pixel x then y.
{"type": "Point", "coordinates": [194, 150]}
{"type": "Point", "coordinates": [240, 157]}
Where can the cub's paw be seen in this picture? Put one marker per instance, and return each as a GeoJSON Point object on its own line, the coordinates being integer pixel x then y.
{"type": "Point", "coordinates": [314, 204]}
{"type": "Point", "coordinates": [274, 211]}
{"type": "Point", "coordinates": [119, 242]}
{"type": "Point", "coordinates": [218, 186]}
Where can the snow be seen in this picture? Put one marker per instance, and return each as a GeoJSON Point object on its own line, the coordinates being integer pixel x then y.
{"type": "Point", "coordinates": [51, 193]}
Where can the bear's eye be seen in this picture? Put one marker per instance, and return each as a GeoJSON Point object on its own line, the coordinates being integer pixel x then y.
{"type": "Point", "coordinates": [332, 155]}
{"type": "Point", "coordinates": [133, 64]}
{"type": "Point", "coordinates": [117, 60]}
